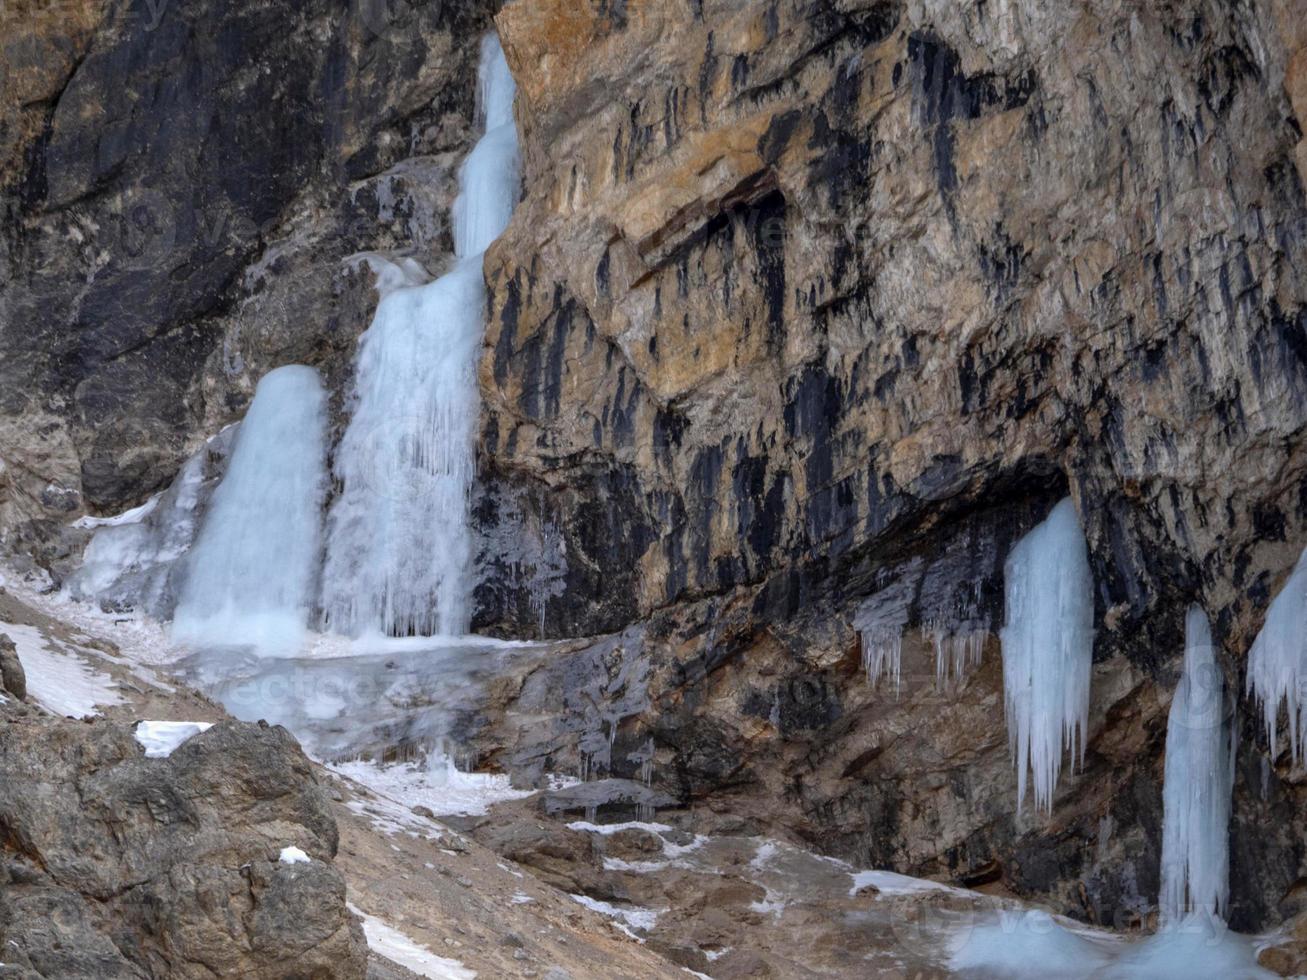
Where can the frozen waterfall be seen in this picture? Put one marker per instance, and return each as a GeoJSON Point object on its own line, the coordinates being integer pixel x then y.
{"type": "Point", "coordinates": [399, 544]}
{"type": "Point", "coordinates": [1048, 645]}
{"type": "Point", "coordinates": [1198, 784]}
{"type": "Point", "coordinates": [250, 576]}
{"type": "Point", "coordinates": [1277, 663]}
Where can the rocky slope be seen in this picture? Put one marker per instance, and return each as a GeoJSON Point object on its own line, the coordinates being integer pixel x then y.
{"type": "Point", "coordinates": [117, 864]}
{"type": "Point", "coordinates": [809, 310]}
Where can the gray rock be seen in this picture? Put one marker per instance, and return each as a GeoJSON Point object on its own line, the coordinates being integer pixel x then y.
{"type": "Point", "coordinates": [13, 679]}
{"type": "Point", "coordinates": [122, 866]}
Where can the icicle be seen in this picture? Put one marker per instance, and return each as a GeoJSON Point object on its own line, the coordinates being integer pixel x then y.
{"type": "Point", "coordinates": [400, 547]}
{"type": "Point", "coordinates": [1277, 664]}
{"type": "Point", "coordinates": [958, 649]}
{"type": "Point", "coordinates": [882, 657]}
{"type": "Point", "coordinates": [1048, 650]}
{"type": "Point", "coordinates": [880, 622]}
{"type": "Point", "coordinates": [1198, 784]}
{"type": "Point", "coordinates": [250, 576]}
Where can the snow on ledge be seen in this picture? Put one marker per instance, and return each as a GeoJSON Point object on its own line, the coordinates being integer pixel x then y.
{"type": "Point", "coordinates": [398, 948]}
{"type": "Point", "coordinates": [293, 855]}
{"type": "Point", "coordinates": [161, 738]}
{"type": "Point", "coordinates": [133, 516]}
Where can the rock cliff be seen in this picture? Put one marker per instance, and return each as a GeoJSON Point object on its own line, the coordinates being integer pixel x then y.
{"type": "Point", "coordinates": [809, 309]}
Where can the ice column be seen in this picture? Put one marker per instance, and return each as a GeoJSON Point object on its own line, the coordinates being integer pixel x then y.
{"type": "Point", "coordinates": [250, 577]}
{"type": "Point", "coordinates": [1198, 783]}
{"type": "Point", "coordinates": [1048, 644]}
{"type": "Point", "coordinates": [400, 547]}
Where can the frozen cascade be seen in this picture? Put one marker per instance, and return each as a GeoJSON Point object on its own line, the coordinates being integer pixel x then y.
{"type": "Point", "coordinates": [1197, 786]}
{"type": "Point", "coordinates": [1048, 644]}
{"type": "Point", "coordinates": [399, 543]}
{"type": "Point", "coordinates": [1277, 663]}
{"type": "Point", "coordinates": [250, 576]}
{"type": "Point", "coordinates": [135, 561]}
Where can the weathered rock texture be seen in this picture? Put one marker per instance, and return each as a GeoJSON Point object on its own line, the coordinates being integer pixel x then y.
{"type": "Point", "coordinates": [181, 184]}
{"type": "Point", "coordinates": [805, 297]}
{"type": "Point", "coordinates": [13, 679]}
{"type": "Point", "coordinates": [811, 307]}
{"type": "Point", "coordinates": [117, 866]}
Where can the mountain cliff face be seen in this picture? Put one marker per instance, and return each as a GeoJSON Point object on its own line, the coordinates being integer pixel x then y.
{"type": "Point", "coordinates": [183, 183]}
{"type": "Point", "coordinates": [809, 310]}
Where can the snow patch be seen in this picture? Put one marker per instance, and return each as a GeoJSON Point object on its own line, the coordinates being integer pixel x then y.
{"type": "Point", "coordinates": [160, 738]}
{"type": "Point", "coordinates": [398, 948]}
{"type": "Point", "coordinates": [293, 855]}
{"type": "Point", "coordinates": [58, 679]}
{"type": "Point", "coordinates": [625, 918]}
{"type": "Point", "coordinates": [439, 786]}
{"type": "Point", "coordinates": [887, 883]}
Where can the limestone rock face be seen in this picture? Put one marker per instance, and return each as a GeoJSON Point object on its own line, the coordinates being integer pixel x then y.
{"type": "Point", "coordinates": [812, 305]}
{"type": "Point", "coordinates": [183, 183]}
{"type": "Point", "coordinates": [115, 865]}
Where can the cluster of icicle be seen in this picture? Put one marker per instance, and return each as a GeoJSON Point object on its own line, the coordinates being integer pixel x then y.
{"type": "Point", "coordinates": [399, 543]}
{"type": "Point", "coordinates": [1277, 664]}
{"type": "Point", "coordinates": [1048, 645]}
{"type": "Point", "coordinates": [1198, 784]}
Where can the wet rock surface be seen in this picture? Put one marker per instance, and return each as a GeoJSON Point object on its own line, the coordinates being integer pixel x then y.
{"type": "Point", "coordinates": [183, 184]}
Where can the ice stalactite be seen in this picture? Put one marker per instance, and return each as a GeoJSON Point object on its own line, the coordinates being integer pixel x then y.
{"type": "Point", "coordinates": [250, 577]}
{"type": "Point", "coordinates": [400, 547]}
{"type": "Point", "coordinates": [1198, 783]}
{"type": "Point", "coordinates": [1277, 664]}
{"type": "Point", "coordinates": [880, 623]}
{"type": "Point", "coordinates": [958, 650]}
{"type": "Point", "coordinates": [1048, 644]}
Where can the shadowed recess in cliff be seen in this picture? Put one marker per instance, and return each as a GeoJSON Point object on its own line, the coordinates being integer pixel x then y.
{"type": "Point", "coordinates": [400, 545]}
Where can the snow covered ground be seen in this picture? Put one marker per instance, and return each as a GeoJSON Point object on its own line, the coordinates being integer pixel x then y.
{"type": "Point", "coordinates": [440, 787]}
{"type": "Point", "coordinates": [397, 947]}
{"type": "Point", "coordinates": [59, 679]}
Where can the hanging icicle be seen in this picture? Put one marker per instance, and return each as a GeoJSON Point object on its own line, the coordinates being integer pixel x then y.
{"type": "Point", "coordinates": [1048, 643]}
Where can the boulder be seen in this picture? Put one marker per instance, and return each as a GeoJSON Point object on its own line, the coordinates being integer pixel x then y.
{"type": "Point", "coordinates": [115, 865]}
{"type": "Point", "coordinates": [13, 679]}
